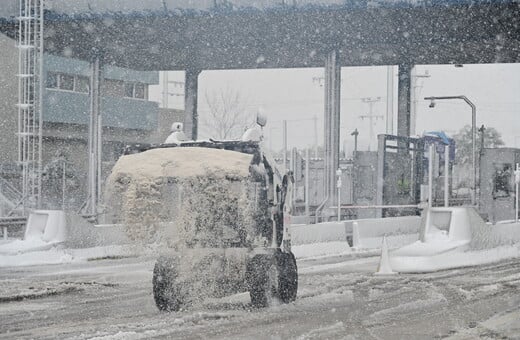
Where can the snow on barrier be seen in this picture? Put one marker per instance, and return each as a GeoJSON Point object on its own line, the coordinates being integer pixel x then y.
{"type": "Point", "coordinates": [45, 229]}
{"type": "Point", "coordinates": [319, 233]}
{"type": "Point", "coordinates": [455, 237]}
{"type": "Point", "coordinates": [369, 233]}
{"type": "Point", "coordinates": [366, 233]}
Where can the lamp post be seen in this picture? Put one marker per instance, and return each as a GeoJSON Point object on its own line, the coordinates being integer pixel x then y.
{"type": "Point", "coordinates": [517, 184]}
{"type": "Point", "coordinates": [355, 134]}
{"type": "Point", "coordinates": [338, 186]}
{"type": "Point", "coordinates": [473, 136]}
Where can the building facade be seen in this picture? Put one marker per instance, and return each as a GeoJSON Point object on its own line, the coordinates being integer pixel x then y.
{"type": "Point", "coordinates": [128, 117]}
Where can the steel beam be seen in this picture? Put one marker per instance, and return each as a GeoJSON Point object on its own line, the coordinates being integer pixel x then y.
{"type": "Point", "coordinates": [94, 138]}
{"type": "Point", "coordinates": [403, 96]}
{"type": "Point", "coordinates": [191, 116]}
{"type": "Point", "coordinates": [380, 184]}
{"type": "Point", "coordinates": [332, 123]}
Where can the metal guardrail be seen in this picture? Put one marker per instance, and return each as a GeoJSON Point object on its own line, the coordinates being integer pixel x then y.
{"type": "Point", "coordinates": [6, 221]}
{"type": "Point", "coordinates": [10, 223]}
{"type": "Point", "coordinates": [393, 206]}
{"type": "Point", "coordinates": [11, 196]}
{"type": "Point", "coordinates": [9, 191]}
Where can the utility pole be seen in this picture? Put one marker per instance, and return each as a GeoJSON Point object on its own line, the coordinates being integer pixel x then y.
{"type": "Point", "coordinates": [371, 116]}
{"type": "Point", "coordinates": [416, 91]}
{"type": "Point", "coordinates": [284, 147]}
{"type": "Point", "coordinates": [390, 99]}
{"type": "Point", "coordinates": [165, 90]}
{"type": "Point", "coordinates": [315, 136]}
{"type": "Point", "coordinates": [482, 130]}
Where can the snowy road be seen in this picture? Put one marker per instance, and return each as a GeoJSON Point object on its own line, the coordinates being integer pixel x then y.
{"type": "Point", "coordinates": [339, 298]}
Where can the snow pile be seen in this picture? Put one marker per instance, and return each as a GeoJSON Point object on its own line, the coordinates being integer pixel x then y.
{"type": "Point", "coordinates": [60, 255]}
{"type": "Point", "coordinates": [215, 213]}
{"type": "Point", "coordinates": [456, 237]}
{"type": "Point", "coordinates": [454, 259]}
{"type": "Point", "coordinates": [52, 256]}
{"type": "Point", "coordinates": [23, 246]}
{"type": "Point", "coordinates": [487, 236]}
{"type": "Point", "coordinates": [204, 273]}
{"type": "Point", "coordinates": [182, 162]}
{"type": "Point", "coordinates": [45, 229]}
{"type": "Point", "coordinates": [190, 194]}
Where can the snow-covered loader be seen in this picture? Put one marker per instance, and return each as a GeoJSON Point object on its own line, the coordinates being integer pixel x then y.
{"type": "Point", "coordinates": [222, 206]}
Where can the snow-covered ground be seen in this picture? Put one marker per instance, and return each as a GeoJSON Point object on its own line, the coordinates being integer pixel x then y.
{"type": "Point", "coordinates": [60, 255]}
{"type": "Point", "coordinates": [339, 298]}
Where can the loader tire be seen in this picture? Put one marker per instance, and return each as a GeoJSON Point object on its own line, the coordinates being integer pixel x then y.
{"type": "Point", "coordinates": [165, 291]}
{"type": "Point", "coordinates": [288, 277]}
{"type": "Point", "coordinates": [272, 279]}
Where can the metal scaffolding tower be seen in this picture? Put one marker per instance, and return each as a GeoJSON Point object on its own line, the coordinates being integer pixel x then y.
{"type": "Point", "coordinates": [30, 70]}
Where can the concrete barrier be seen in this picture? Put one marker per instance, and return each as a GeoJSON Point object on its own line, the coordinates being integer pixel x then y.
{"type": "Point", "coordinates": [48, 225]}
{"type": "Point", "coordinates": [317, 233]}
{"type": "Point", "coordinates": [369, 233]}
{"type": "Point", "coordinates": [366, 233]}
{"type": "Point", "coordinates": [45, 229]}
{"type": "Point", "coordinates": [455, 237]}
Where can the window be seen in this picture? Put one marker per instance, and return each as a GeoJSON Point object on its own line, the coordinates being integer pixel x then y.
{"type": "Point", "coordinates": [502, 180]}
{"type": "Point", "coordinates": [139, 91]}
{"type": "Point", "coordinates": [66, 82]}
{"type": "Point", "coordinates": [136, 90]}
{"type": "Point", "coordinates": [114, 88]}
{"type": "Point", "coordinates": [52, 80]}
{"type": "Point", "coordinates": [82, 84]}
{"type": "Point", "coordinates": [129, 90]}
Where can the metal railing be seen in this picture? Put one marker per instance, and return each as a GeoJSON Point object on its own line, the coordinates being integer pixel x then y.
{"type": "Point", "coordinates": [9, 197]}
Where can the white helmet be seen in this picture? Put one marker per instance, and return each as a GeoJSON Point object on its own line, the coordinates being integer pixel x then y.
{"type": "Point", "coordinates": [177, 126]}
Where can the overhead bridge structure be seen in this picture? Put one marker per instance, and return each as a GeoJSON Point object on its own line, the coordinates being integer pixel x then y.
{"type": "Point", "coordinates": [239, 34]}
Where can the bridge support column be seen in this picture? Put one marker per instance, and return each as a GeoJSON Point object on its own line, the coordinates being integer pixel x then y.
{"type": "Point", "coordinates": [191, 116]}
{"type": "Point", "coordinates": [332, 123]}
{"type": "Point", "coordinates": [403, 97]}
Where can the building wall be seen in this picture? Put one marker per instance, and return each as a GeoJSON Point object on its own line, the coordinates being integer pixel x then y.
{"type": "Point", "coordinates": [64, 106]}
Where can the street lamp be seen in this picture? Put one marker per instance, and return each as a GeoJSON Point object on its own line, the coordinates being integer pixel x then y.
{"type": "Point", "coordinates": [338, 186]}
{"type": "Point", "coordinates": [473, 135]}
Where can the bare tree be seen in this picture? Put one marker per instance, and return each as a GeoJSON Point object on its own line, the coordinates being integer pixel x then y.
{"type": "Point", "coordinates": [227, 117]}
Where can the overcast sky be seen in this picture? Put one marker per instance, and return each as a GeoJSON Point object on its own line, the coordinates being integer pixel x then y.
{"type": "Point", "coordinates": [297, 96]}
